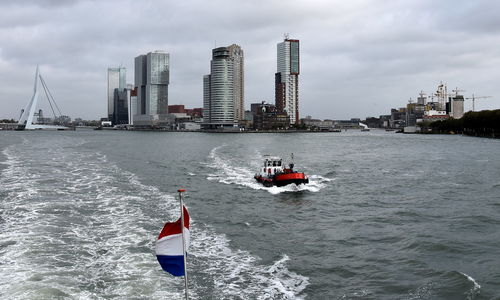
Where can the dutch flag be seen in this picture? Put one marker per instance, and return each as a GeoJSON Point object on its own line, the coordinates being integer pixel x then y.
{"type": "Point", "coordinates": [169, 246]}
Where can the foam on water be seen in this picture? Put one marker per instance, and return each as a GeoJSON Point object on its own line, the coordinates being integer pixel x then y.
{"type": "Point", "coordinates": [424, 291]}
{"type": "Point", "coordinates": [475, 290]}
{"type": "Point", "coordinates": [229, 172]}
{"type": "Point", "coordinates": [237, 273]}
{"type": "Point", "coordinates": [78, 226]}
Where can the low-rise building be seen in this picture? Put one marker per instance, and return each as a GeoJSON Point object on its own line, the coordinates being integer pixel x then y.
{"type": "Point", "coordinates": [267, 117]}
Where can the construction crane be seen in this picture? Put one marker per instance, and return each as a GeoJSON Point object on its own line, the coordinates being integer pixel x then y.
{"type": "Point", "coordinates": [476, 97]}
{"type": "Point", "coordinates": [456, 91]}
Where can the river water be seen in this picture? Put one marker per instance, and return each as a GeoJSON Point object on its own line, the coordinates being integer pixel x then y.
{"type": "Point", "coordinates": [385, 216]}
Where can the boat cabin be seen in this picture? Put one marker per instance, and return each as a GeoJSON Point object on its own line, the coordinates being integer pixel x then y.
{"type": "Point", "coordinates": [272, 166]}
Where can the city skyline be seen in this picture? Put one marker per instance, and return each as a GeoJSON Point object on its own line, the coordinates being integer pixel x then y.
{"type": "Point", "coordinates": [358, 59]}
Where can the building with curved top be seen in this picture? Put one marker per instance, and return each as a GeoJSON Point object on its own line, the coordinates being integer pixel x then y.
{"type": "Point", "coordinates": [223, 88]}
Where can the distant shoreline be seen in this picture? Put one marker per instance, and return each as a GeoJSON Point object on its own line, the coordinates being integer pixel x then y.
{"type": "Point", "coordinates": [235, 131]}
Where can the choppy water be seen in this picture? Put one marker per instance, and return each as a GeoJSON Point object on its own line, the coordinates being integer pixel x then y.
{"type": "Point", "coordinates": [386, 216]}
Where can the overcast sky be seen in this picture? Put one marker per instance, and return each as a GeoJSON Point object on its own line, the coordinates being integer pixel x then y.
{"type": "Point", "coordinates": [358, 58]}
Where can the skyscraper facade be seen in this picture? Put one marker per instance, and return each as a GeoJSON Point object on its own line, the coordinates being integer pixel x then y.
{"type": "Point", "coordinates": [287, 79]}
{"type": "Point", "coordinates": [152, 75]}
{"type": "Point", "coordinates": [206, 99]}
{"type": "Point", "coordinates": [121, 102]}
{"type": "Point", "coordinates": [117, 78]}
{"type": "Point", "coordinates": [236, 54]}
{"type": "Point", "coordinates": [223, 89]}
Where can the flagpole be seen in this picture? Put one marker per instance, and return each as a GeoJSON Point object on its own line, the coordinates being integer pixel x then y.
{"type": "Point", "coordinates": [183, 243]}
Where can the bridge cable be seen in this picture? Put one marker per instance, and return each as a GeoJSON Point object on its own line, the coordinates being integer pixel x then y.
{"type": "Point", "coordinates": [46, 94]}
{"type": "Point", "coordinates": [52, 97]}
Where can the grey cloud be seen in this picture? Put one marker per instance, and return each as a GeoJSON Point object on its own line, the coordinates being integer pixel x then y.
{"type": "Point", "coordinates": [353, 53]}
{"type": "Point", "coordinates": [39, 3]}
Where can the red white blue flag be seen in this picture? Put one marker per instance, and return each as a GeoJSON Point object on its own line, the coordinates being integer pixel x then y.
{"type": "Point", "coordinates": [169, 246]}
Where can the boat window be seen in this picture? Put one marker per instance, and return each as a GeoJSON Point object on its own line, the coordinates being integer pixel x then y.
{"type": "Point", "coordinates": [269, 163]}
{"type": "Point", "coordinates": [274, 163]}
{"type": "Point", "coordinates": [279, 163]}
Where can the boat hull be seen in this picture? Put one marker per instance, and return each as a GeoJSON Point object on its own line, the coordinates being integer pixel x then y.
{"type": "Point", "coordinates": [283, 179]}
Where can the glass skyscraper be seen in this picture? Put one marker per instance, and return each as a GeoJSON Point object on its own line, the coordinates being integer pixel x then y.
{"type": "Point", "coordinates": [223, 89]}
{"type": "Point", "coordinates": [117, 79]}
{"type": "Point", "coordinates": [287, 79]}
{"type": "Point", "coordinates": [152, 74]}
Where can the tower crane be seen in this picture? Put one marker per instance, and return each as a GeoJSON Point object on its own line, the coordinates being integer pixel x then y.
{"type": "Point", "coordinates": [456, 91]}
{"type": "Point", "coordinates": [476, 97]}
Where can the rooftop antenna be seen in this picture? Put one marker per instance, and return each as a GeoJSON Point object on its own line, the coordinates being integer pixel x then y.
{"type": "Point", "coordinates": [286, 36]}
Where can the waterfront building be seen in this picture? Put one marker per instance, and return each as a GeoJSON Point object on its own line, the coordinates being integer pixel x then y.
{"type": "Point", "coordinates": [62, 120]}
{"type": "Point", "coordinates": [441, 94]}
{"type": "Point", "coordinates": [223, 88]}
{"type": "Point", "coordinates": [385, 121]}
{"type": "Point", "coordinates": [132, 105]}
{"type": "Point", "coordinates": [422, 99]}
{"type": "Point", "coordinates": [414, 113]}
{"type": "Point", "coordinates": [116, 80]}
{"type": "Point", "coordinates": [152, 75]}
{"type": "Point", "coordinates": [287, 79]}
{"type": "Point", "coordinates": [41, 119]}
{"type": "Point", "coordinates": [398, 118]}
{"type": "Point", "coordinates": [176, 109]}
{"type": "Point", "coordinates": [120, 114]}
{"type": "Point", "coordinates": [373, 122]}
{"type": "Point", "coordinates": [248, 123]}
{"type": "Point", "coordinates": [267, 117]}
{"type": "Point", "coordinates": [455, 106]}
{"type": "Point", "coordinates": [195, 113]}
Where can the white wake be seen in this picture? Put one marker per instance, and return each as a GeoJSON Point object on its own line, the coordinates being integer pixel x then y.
{"type": "Point", "coordinates": [226, 170]}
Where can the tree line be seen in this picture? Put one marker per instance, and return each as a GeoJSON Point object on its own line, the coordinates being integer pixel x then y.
{"type": "Point", "coordinates": [484, 123]}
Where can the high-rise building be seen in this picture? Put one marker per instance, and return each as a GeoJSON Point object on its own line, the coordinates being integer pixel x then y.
{"type": "Point", "coordinates": [206, 100]}
{"type": "Point", "coordinates": [236, 54]}
{"type": "Point", "coordinates": [132, 105]}
{"type": "Point", "coordinates": [287, 79]}
{"type": "Point", "coordinates": [116, 80]}
{"type": "Point", "coordinates": [456, 106]}
{"type": "Point", "coordinates": [120, 114]}
{"type": "Point", "coordinates": [223, 88]}
{"type": "Point", "coordinates": [152, 73]}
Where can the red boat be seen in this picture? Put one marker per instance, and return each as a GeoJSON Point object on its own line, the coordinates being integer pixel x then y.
{"type": "Point", "coordinates": [275, 173]}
